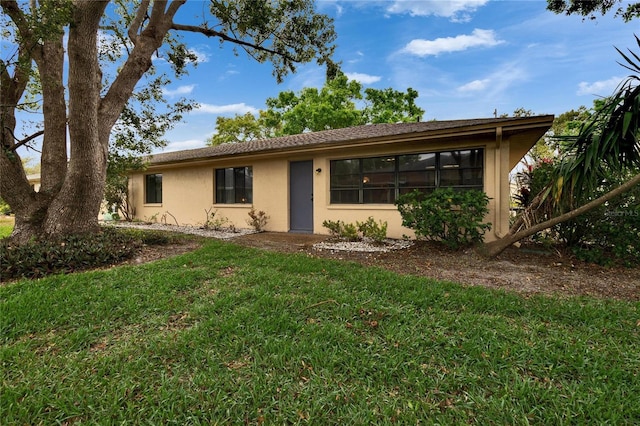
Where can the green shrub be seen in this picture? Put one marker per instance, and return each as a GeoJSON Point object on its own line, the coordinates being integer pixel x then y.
{"type": "Point", "coordinates": [377, 231]}
{"type": "Point", "coordinates": [342, 230]}
{"type": "Point", "coordinates": [350, 232]}
{"type": "Point", "coordinates": [451, 217]}
{"type": "Point", "coordinates": [214, 220]}
{"type": "Point", "coordinates": [149, 237]}
{"type": "Point", "coordinates": [610, 234]}
{"type": "Point", "coordinates": [334, 227]}
{"type": "Point", "coordinates": [606, 235]}
{"type": "Point", "coordinates": [73, 253]}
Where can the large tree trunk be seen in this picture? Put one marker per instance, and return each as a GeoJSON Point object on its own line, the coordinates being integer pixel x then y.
{"type": "Point", "coordinates": [54, 146]}
{"type": "Point", "coordinates": [30, 218]}
{"type": "Point", "coordinates": [494, 248]}
{"type": "Point", "coordinates": [14, 186]}
{"type": "Point", "coordinates": [76, 206]}
{"type": "Point", "coordinates": [71, 191]}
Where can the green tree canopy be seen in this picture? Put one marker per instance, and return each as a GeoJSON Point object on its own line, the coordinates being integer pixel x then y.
{"type": "Point", "coordinates": [589, 8]}
{"type": "Point", "coordinates": [91, 65]}
{"type": "Point", "coordinates": [340, 103]}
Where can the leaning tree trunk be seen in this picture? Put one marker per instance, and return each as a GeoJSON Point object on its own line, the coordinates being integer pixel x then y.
{"type": "Point", "coordinates": [494, 248]}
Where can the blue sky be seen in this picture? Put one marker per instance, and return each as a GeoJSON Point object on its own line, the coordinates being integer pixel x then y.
{"type": "Point", "coordinates": [465, 58]}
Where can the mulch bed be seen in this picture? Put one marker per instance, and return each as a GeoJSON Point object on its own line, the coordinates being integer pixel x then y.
{"type": "Point", "coordinates": [528, 270]}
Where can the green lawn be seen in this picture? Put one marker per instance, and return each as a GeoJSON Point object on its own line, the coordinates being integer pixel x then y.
{"type": "Point", "coordinates": [230, 335]}
{"type": "Point", "coordinates": [6, 226]}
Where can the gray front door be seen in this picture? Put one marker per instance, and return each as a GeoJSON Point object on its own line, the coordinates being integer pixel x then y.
{"type": "Point", "coordinates": [301, 196]}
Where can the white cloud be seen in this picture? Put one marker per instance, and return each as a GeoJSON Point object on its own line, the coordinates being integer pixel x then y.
{"type": "Point", "coordinates": [603, 88]}
{"type": "Point", "coordinates": [331, 4]}
{"type": "Point", "coordinates": [362, 78]}
{"type": "Point", "coordinates": [358, 58]}
{"type": "Point", "coordinates": [474, 86]}
{"type": "Point", "coordinates": [156, 58]}
{"type": "Point", "coordinates": [179, 91]}
{"type": "Point", "coordinates": [240, 108]}
{"type": "Point", "coordinates": [478, 38]}
{"type": "Point", "coordinates": [455, 10]}
{"type": "Point", "coordinates": [496, 84]}
{"type": "Point", "coordinates": [200, 55]}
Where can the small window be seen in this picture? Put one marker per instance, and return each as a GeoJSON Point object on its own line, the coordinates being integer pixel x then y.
{"type": "Point", "coordinates": [234, 185]}
{"type": "Point", "coordinates": [462, 169]}
{"type": "Point", "coordinates": [153, 189]}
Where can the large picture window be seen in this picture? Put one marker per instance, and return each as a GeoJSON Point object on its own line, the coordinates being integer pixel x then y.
{"type": "Point", "coordinates": [234, 185]}
{"type": "Point", "coordinates": [153, 188]}
{"type": "Point", "coordinates": [381, 180]}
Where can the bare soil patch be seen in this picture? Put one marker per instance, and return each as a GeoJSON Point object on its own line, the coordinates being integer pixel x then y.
{"type": "Point", "coordinates": [151, 253]}
{"type": "Point", "coordinates": [528, 270]}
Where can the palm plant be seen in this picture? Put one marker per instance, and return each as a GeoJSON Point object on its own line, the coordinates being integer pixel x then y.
{"type": "Point", "coordinates": [608, 142]}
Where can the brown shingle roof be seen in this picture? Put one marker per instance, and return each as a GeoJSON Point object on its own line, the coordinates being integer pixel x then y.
{"type": "Point", "coordinates": [337, 137]}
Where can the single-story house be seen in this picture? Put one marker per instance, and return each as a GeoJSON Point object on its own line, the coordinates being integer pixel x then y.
{"type": "Point", "coordinates": [345, 174]}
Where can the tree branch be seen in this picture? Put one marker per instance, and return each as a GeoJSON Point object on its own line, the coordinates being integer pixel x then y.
{"type": "Point", "coordinates": [23, 141]}
{"type": "Point", "coordinates": [213, 33]}
{"type": "Point", "coordinates": [11, 8]}
{"type": "Point", "coordinates": [119, 36]}
{"type": "Point", "coordinates": [137, 21]}
{"type": "Point", "coordinates": [139, 60]}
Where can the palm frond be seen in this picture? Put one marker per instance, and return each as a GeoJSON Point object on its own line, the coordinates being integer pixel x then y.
{"type": "Point", "coordinates": [608, 141]}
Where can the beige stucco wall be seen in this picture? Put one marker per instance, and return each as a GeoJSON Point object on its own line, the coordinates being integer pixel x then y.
{"type": "Point", "coordinates": [188, 189]}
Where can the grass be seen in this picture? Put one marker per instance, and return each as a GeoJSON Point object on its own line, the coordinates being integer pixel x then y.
{"type": "Point", "coordinates": [6, 226]}
{"type": "Point", "coordinates": [230, 335]}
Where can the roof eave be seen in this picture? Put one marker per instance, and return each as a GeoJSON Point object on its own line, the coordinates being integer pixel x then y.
{"type": "Point", "coordinates": [508, 127]}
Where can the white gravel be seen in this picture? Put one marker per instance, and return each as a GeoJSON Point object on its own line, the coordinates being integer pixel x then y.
{"type": "Point", "coordinates": [222, 234]}
{"type": "Point", "coordinates": [364, 246]}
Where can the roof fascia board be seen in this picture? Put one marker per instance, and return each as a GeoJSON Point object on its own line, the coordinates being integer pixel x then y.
{"type": "Point", "coordinates": [488, 129]}
{"type": "Point", "coordinates": [311, 149]}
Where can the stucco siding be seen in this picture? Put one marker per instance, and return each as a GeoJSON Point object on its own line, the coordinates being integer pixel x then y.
{"type": "Point", "coordinates": [188, 177]}
{"type": "Point", "coordinates": [188, 191]}
{"type": "Point", "coordinates": [270, 193]}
